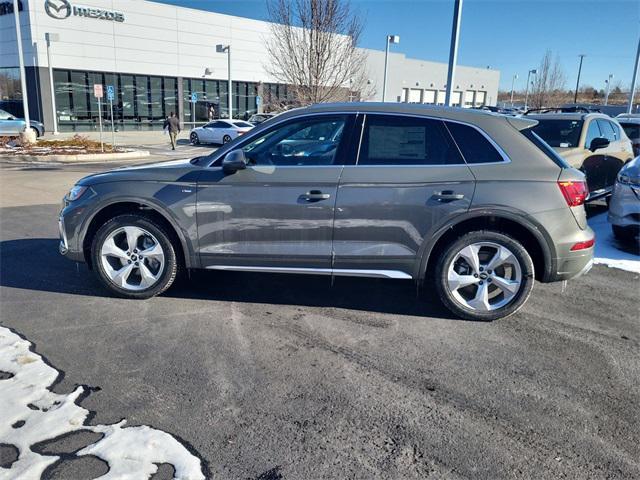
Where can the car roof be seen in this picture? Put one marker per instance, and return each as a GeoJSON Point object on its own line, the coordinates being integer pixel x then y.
{"type": "Point", "coordinates": [464, 115]}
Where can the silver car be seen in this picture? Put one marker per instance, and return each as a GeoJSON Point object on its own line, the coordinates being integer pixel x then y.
{"type": "Point", "coordinates": [624, 208]}
{"type": "Point", "coordinates": [472, 204]}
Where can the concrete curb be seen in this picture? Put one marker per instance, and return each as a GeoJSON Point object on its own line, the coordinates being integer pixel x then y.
{"type": "Point", "coordinates": [87, 157]}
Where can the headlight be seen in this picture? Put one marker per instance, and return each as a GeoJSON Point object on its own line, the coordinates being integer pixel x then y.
{"type": "Point", "coordinates": [625, 179]}
{"type": "Point", "coordinates": [76, 192]}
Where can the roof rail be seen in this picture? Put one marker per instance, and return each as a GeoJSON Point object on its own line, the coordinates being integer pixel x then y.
{"type": "Point", "coordinates": [563, 110]}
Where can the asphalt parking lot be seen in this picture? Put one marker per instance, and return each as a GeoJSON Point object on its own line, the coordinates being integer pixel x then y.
{"type": "Point", "coordinates": [288, 377]}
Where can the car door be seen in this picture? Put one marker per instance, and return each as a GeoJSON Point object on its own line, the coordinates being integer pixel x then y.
{"type": "Point", "coordinates": [408, 179]}
{"type": "Point", "coordinates": [615, 154]}
{"type": "Point", "coordinates": [9, 125]}
{"type": "Point", "coordinates": [207, 133]}
{"type": "Point", "coordinates": [594, 163]}
{"type": "Point", "coordinates": [277, 214]}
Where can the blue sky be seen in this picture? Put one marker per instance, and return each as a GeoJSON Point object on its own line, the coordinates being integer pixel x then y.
{"type": "Point", "coordinates": [509, 35]}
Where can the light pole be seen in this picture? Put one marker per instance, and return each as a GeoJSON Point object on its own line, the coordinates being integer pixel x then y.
{"type": "Point", "coordinates": [526, 95]}
{"type": "Point", "coordinates": [453, 52]}
{"type": "Point", "coordinates": [575, 97]}
{"type": "Point", "coordinates": [513, 81]}
{"type": "Point", "coordinates": [23, 78]}
{"type": "Point", "coordinates": [395, 39]}
{"type": "Point", "coordinates": [606, 93]}
{"type": "Point", "coordinates": [52, 37]}
{"type": "Point", "coordinates": [633, 80]}
{"type": "Point", "coordinates": [221, 49]}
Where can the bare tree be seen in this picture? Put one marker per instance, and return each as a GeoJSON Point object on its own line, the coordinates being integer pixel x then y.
{"type": "Point", "coordinates": [313, 50]}
{"type": "Point", "coordinates": [549, 82]}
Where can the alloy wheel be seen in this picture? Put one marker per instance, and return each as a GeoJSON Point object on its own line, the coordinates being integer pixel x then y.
{"type": "Point", "coordinates": [484, 276]}
{"type": "Point", "coordinates": [132, 258]}
{"type": "Point", "coordinates": [194, 138]}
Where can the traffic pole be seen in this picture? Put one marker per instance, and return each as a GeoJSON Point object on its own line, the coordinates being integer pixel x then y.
{"type": "Point", "coordinates": [113, 133]}
{"type": "Point", "coordinates": [100, 122]}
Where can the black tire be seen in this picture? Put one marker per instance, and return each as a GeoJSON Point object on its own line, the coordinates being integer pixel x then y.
{"type": "Point", "coordinates": [626, 234]}
{"type": "Point", "coordinates": [36, 131]}
{"type": "Point", "coordinates": [169, 272]}
{"type": "Point", "coordinates": [226, 139]}
{"type": "Point", "coordinates": [450, 252]}
{"type": "Point", "coordinates": [194, 139]}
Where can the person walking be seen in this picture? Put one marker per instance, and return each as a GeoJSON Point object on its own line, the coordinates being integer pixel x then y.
{"type": "Point", "coordinates": [172, 124]}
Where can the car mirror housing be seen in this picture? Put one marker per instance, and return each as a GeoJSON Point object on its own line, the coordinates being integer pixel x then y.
{"type": "Point", "coordinates": [599, 142]}
{"type": "Point", "coordinates": [234, 161]}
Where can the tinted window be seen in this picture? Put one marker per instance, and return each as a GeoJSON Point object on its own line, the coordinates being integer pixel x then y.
{"type": "Point", "coordinates": [559, 133]}
{"type": "Point", "coordinates": [242, 124]}
{"type": "Point", "coordinates": [474, 145]}
{"type": "Point", "coordinates": [302, 142]}
{"type": "Point", "coordinates": [592, 132]}
{"type": "Point", "coordinates": [632, 130]}
{"type": "Point", "coordinates": [607, 130]}
{"type": "Point", "coordinates": [220, 124]}
{"type": "Point", "coordinates": [396, 140]}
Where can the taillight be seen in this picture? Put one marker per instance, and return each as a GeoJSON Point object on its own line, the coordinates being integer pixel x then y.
{"type": "Point", "coordinates": [583, 245]}
{"type": "Point", "coordinates": [241, 133]}
{"type": "Point", "coordinates": [575, 193]}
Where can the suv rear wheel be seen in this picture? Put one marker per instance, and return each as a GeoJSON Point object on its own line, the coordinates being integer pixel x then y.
{"type": "Point", "coordinates": [134, 257]}
{"type": "Point", "coordinates": [484, 275]}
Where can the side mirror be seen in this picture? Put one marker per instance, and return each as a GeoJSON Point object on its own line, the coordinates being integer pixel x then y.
{"type": "Point", "coordinates": [234, 161]}
{"type": "Point", "coordinates": [599, 142]}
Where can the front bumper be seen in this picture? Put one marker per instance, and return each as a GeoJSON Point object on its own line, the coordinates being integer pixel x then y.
{"type": "Point", "coordinates": [624, 208]}
{"type": "Point", "coordinates": [69, 223]}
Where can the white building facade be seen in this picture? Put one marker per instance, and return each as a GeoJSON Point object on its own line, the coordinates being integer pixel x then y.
{"type": "Point", "coordinates": [161, 58]}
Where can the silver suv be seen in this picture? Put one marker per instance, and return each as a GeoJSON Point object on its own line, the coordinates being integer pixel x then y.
{"type": "Point", "coordinates": [473, 201]}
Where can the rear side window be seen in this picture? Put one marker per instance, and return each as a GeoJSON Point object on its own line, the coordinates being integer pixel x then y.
{"type": "Point", "coordinates": [399, 140]}
{"type": "Point", "coordinates": [474, 145]}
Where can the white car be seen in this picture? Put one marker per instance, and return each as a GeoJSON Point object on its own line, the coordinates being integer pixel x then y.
{"type": "Point", "coordinates": [219, 131]}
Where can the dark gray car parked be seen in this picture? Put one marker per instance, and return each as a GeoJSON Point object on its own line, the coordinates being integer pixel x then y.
{"type": "Point", "coordinates": [474, 201]}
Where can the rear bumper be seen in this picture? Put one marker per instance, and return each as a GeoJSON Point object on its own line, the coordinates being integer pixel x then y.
{"type": "Point", "coordinates": [624, 208]}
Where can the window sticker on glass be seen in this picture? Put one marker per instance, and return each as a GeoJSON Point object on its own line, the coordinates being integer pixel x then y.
{"type": "Point", "coordinates": [564, 145]}
{"type": "Point", "coordinates": [397, 142]}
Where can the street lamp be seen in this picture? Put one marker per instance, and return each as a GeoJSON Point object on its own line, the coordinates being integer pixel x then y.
{"type": "Point", "coordinates": [575, 96]}
{"type": "Point", "coordinates": [606, 94]}
{"type": "Point", "coordinates": [513, 81]}
{"type": "Point", "coordinates": [453, 51]}
{"type": "Point", "coordinates": [222, 49]}
{"type": "Point", "coordinates": [526, 95]}
{"type": "Point", "coordinates": [634, 79]}
{"type": "Point", "coordinates": [23, 78]}
{"type": "Point", "coordinates": [395, 39]}
{"type": "Point", "coordinates": [52, 37]}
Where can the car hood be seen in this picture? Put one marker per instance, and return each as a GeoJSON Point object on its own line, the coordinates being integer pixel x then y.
{"type": "Point", "coordinates": [172, 171]}
{"type": "Point", "coordinates": [632, 168]}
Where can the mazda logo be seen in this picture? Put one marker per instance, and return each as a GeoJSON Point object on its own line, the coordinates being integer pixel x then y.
{"type": "Point", "coordinates": [59, 9]}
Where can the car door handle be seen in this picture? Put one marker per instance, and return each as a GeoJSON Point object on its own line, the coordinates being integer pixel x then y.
{"type": "Point", "coordinates": [447, 196]}
{"type": "Point", "coordinates": [315, 196]}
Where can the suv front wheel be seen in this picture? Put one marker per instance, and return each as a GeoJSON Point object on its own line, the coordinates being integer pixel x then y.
{"type": "Point", "coordinates": [134, 257]}
{"type": "Point", "coordinates": [484, 275]}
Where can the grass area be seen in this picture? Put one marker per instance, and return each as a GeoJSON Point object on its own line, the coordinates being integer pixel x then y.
{"type": "Point", "coordinates": [76, 145]}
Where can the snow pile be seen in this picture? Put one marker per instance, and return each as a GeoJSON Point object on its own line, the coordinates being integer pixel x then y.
{"type": "Point", "coordinates": [32, 413]}
{"type": "Point", "coordinates": [608, 250]}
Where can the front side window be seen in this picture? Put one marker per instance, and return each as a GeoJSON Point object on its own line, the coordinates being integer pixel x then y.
{"type": "Point", "coordinates": [559, 133]}
{"type": "Point", "coordinates": [299, 143]}
{"type": "Point", "coordinates": [474, 145]}
{"type": "Point", "coordinates": [608, 130]}
{"type": "Point", "coordinates": [592, 132]}
{"type": "Point", "coordinates": [398, 140]}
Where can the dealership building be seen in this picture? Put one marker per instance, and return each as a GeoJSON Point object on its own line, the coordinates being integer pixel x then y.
{"type": "Point", "coordinates": [159, 58]}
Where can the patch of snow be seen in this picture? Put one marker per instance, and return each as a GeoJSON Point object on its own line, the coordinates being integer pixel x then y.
{"type": "Point", "coordinates": [608, 250]}
{"type": "Point", "coordinates": [32, 413]}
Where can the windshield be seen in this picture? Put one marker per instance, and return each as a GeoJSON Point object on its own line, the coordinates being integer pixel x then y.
{"type": "Point", "coordinates": [631, 129]}
{"type": "Point", "coordinates": [559, 133]}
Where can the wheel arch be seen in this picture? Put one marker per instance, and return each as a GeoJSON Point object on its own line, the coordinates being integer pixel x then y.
{"type": "Point", "coordinates": [134, 206]}
{"type": "Point", "coordinates": [531, 235]}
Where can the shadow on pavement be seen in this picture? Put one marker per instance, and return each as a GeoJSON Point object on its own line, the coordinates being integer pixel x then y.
{"type": "Point", "coordinates": [35, 264]}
